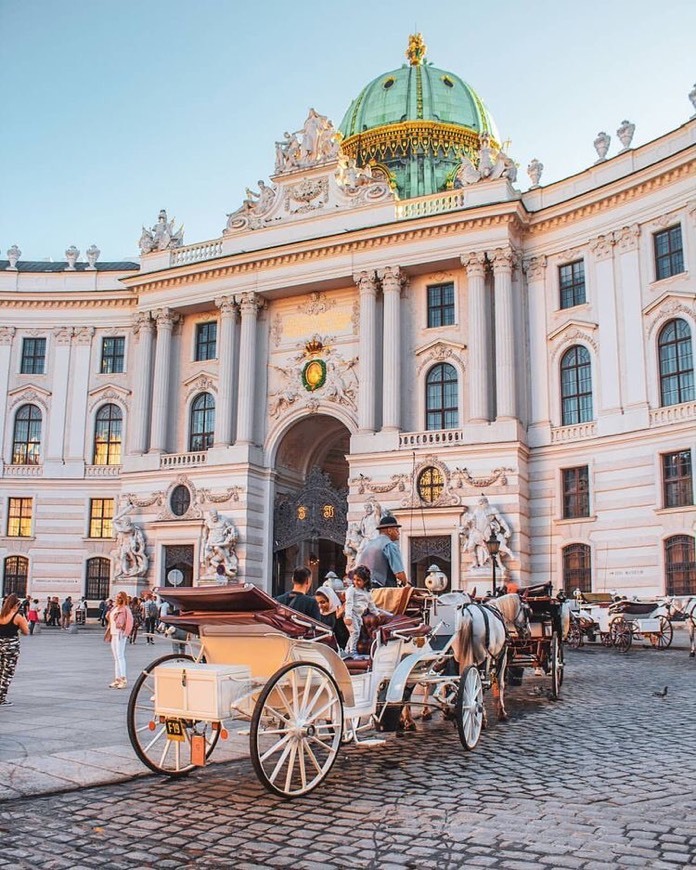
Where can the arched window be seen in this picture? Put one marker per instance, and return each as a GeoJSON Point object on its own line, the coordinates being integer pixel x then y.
{"type": "Point", "coordinates": [26, 442]}
{"type": "Point", "coordinates": [15, 574]}
{"type": "Point", "coordinates": [97, 578]}
{"type": "Point", "coordinates": [107, 435]}
{"type": "Point", "coordinates": [202, 422]}
{"type": "Point", "coordinates": [441, 409]}
{"type": "Point", "coordinates": [676, 363]}
{"type": "Point", "coordinates": [576, 386]}
{"type": "Point", "coordinates": [680, 565]}
{"type": "Point", "coordinates": [577, 568]}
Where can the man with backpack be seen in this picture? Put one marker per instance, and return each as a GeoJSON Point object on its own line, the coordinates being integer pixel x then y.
{"type": "Point", "coordinates": [151, 615]}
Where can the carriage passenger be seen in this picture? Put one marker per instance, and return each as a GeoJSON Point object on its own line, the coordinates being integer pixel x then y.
{"type": "Point", "coordinates": [332, 609]}
{"type": "Point", "coordinates": [299, 598]}
{"type": "Point", "coordinates": [358, 603]}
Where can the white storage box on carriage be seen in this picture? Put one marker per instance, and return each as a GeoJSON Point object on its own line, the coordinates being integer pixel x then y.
{"type": "Point", "coordinates": [198, 691]}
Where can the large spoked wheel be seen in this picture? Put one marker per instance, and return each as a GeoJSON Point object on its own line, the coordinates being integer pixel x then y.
{"type": "Point", "coordinates": [469, 707]}
{"type": "Point", "coordinates": [662, 639]}
{"type": "Point", "coordinates": [148, 732]}
{"type": "Point", "coordinates": [296, 729]}
{"type": "Point", "coordinates": [574, 639]}
{"type": "Point", "coordinates": [621, 635]}
{"type": "Point", "coordinates": [556, 666]}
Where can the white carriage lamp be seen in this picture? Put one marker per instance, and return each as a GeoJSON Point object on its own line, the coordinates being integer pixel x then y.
{"type": "Point", "coordinates": [493, 545]}
{"type": "Point", "coordinates": [435, 580]}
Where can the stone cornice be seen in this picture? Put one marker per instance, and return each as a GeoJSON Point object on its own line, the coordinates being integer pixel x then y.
{"type": "Point", "coordinates": [24, 300]}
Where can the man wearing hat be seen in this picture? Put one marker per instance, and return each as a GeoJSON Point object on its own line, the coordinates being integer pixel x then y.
{"type": "Point", "coordinates": [383, 556]}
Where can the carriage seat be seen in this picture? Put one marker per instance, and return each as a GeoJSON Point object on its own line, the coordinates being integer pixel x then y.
{"type": "Point", "coordinates": [602, 599]}
{"type": "Point", "coordinates": [386, 626]}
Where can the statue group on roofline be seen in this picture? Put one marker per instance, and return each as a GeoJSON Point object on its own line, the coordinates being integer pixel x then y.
{"type": "Point", "coordinates": [162, 235]}
{"type": "Point", "coordinates": [489, 165]}
{"type": "Point", "coordinates": [317, 143]}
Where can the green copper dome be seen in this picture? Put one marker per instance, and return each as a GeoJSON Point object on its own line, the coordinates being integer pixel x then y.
{"type": "Point", "coordinates": [417, 121]}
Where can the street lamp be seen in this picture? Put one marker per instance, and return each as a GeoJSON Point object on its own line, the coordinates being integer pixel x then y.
{"type": "Point", "coordinates": [493, 545]}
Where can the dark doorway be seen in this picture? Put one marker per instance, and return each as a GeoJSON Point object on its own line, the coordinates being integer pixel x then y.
{"type": "Point", "coordinates": [178, 566]}
{"type": "Point", "coordinates": [425, 551]}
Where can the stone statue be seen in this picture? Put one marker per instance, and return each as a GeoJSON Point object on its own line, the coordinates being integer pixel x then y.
{"type": "Point", "coordinates": [491, 164]}
{"type": "Point", "coordinates": [625, 134]}
{"type": "Point", "coordinates": [367, 527]}
{"type": "Point", "coordinates": [692, 97]}
{"type": "Point", "coordinates": [92, 254]}
{"type": "Point", "coordinates": [130, 546]}
{"type": "Point", "coordinates": [349, 176]}
{"type": "Point", "coordinates": [13, 254]}
{"type": "Point", "coordinates": [287, 153]}
{"type": "Point", "coordinates": [71, 255]}
{"type": "Point", "coordinates": [352, 545]}
{"type": "Point", "coordinates": [476, 528]}
{"type": "Point", "coordinates": [317, 143]}
{"type": "Point", "coordinates": [601, 144]}
{"type": "Point", "coordinates": [534, 170]}
{"type": "Point", "coordinates": [259, 203]}
{"type": "Point", "coordinates": [220, 546]}
{"type": "Point", "coordinates": [162, 235]}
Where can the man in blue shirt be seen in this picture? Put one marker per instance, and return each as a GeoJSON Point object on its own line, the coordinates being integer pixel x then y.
{"type": "Point", "coordinates": [298, 598]}
{"type": "Point", "coordinates": [383, 556]}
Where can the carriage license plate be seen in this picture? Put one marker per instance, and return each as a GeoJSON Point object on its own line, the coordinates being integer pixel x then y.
{"type": "Point", "coordinates": [175, 730]}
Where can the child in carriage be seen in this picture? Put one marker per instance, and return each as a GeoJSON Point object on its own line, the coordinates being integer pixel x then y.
{"type": "Point", "coordinates": [358, 603]}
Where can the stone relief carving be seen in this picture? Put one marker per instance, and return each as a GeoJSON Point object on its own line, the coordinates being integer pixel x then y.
{"type": "Point", "coordinates": [131, 559]}
{"type": "Point", "coordinates": [601, 144]}
{"type": "Point", "coordinates": [13, 254]}
{"type": "Point", "coordinates": [109, 394]}
{"type": "Point", "coordinates": [317, 143]}
{"type": "Point", "coordinates": [490, 164]}
{"type": "Point", "coordinates": [201, 384]}
{"type": "Point", "coordinates": [602, 246]}
{"type": "Point", "coordinates": [355, 317]}
{"type": "Point", "coordinates": [476, 527]}
{"type": "Point", "coordinates": [83, 334]}
{"type": "Point", "coordinates": [397, 482]}
{"type": "Point", "coordinates": [361, 183]}
{"type": "Point", "coordinates": [571, 336]}
{"type": "Point", "coordinates": [63, 334]}
{"type": "Point", "coordinates": [232, 493]}
{"type": "Point", "coordinates": [441, 352]}
{"type": "Point", "coordinates": [254, 208]}
{"type": "Point", "coordinates": [144, 500]}
{"type": "Point", "coordinates": [307, 195]}
{"type": "Point", "coordinates": [625, 134]}
{"type": "Point", "coordinates": [667, 310]}
{"type": "Point", "coordinates": [162, 236]}
{"type": "Point", "coordinates": [32, 395]}
{"type": "Point", "coordinates": [627, 238]}
{"type": "Point", "coordinates": [317, 303]}
{"type": "Point", "coordinates": [535, 268]}
{"type": "Point", "coordinates": [276, 330]}
{"type": "Point", "coordinates": [7, 334]}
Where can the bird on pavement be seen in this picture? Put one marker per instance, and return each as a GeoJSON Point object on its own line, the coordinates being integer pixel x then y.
{"type": "Point", "coordinates": [661, 694]}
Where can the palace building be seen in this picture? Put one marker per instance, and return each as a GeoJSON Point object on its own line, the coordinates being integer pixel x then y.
{"type": "Point", "coordinates": [394, 319]}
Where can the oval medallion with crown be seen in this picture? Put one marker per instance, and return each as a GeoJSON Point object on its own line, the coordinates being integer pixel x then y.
{"type": "Point", "coordinates": [314, 374]}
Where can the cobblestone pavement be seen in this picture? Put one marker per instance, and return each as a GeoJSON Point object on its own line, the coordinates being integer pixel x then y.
{"type": "Point", "coordinates": [603, 778]}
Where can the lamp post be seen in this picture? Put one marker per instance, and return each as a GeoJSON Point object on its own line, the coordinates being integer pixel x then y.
{"type": "Point", "coordinates": [493, 545]}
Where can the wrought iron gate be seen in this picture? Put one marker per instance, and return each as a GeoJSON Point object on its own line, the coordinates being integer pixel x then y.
{"type": "Point", "coordinates": [317, 511]}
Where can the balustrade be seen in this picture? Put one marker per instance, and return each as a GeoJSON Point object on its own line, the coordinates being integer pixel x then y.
{"type": "Point", "coordinates": [177, 460]}
{"type": "Point", "coordinates": [195, 253]}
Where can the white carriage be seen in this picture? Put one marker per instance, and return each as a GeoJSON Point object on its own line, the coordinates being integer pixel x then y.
{"type": "Point", "coordinates": [265, 664]}
{"type": "Point", "coordinates": [617, 622]}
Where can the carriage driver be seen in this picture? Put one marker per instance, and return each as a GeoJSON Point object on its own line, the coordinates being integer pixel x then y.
{"type": "Point", "coordinates": [383, 556]}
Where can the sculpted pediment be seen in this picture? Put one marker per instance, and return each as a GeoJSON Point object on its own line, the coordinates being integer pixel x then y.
{"type": "Point", "coordinates": [439, 350]}
{"type": "Point", "coordinates": [108, 393]}
{"type": "Point", "coordinates": [667, 306]}
{"type": "Point", "coordinates": [29, 393]}
{"type": "Point", "coordinates": [572, 332]}
{"type": "Point", "coordinates": [201, 382]}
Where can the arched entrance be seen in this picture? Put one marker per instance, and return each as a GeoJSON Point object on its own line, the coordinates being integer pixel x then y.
{"type": "Point", "coordinates": [311, 499]}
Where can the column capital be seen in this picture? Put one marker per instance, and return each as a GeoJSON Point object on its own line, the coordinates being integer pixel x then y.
{"type": "Point", "coordinates": [63, 334]}
{"type": "Point", "coordinates": [83, 334]}
{"type": "Point", "coordinates": [143, 321]}
{"type": "Point", "coordinates": [534, 268]}
{"type": "Point", "coordinates": [366, 281]}
{"type": "Point", "coordinates": [166, 318]}
{"type": "Point", "coordinates": [474, 263]}
{"type": "Point", "coordinates": [627, 238]}
{"type": "Point", "coordinates": [392, 279]}
{"type": "Point", "coordinates": [227, 305]}
{"type": "Point", "coordinates": [7, 334]}
{"type": "Point", "coordinates": [503, 259]}
{"type": "Point", "coordinates": [251, 303]}
{"type": "Point", "coordinates": [602, 246]}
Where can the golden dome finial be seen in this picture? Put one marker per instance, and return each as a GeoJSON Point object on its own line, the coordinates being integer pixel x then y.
{"type": "Point", "coordinates": [416, 49]}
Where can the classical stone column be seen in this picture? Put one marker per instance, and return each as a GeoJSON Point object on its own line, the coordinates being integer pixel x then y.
{"type": "Point", "coordinates": [60, 363]}
{"type": "Point", "coordinates": [367, 285]}
{"type": "Point", "coordinates": [606, 382]}
{"type": "Point", "coordinates": [6, 337]}
{"type": "Point", "coordinates": [502, 260]}
{"type": "Point", "coordinates": [391, 279]}
{"type": "Point", "coordinates": [165, 319]}
{"type": "Point", "coordinates": [226, 361]}
{"type": "Point", "coordinates": [249, 305]}
{"type": "Point", "coordinates": [632, 344]}
{"type": "Point", "coordinates": [475, 264]}
{"type": "Point", "coordinates": [79, 389]}
{"type": "Point", "coordinates": [535, 270]}
{"type": "Point", "coordinates": [138, 425]}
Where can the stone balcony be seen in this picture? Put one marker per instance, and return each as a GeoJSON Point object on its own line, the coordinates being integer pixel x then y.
{"type": "Point", "coordinates": [435, 437]}
{"type": "Point", "coordinates": [673, 414]}
{"type": "Point", "coordinates": [22, 470]}
{"type": "Point", "coordinates": [561, 434]}
{"type": "Point", "coordinates": [183, 460]}
{"type": "Point", "coordinates": [102, 470]}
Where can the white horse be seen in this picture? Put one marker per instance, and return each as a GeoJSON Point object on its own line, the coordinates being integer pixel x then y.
{"type": "Point", "coordinates": [686, 607]}
{"type": "Point", "coordinates": [482, 639]}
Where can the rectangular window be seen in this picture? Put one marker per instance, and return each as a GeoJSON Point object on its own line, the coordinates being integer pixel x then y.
{"type": "Point", "coordinates": [113, 350]}
{"type": "Point", "coordinates": [571, 280]}
{"type": "Point", "coordinates": [440, 305]}
{"type": "Point", "coordinates": [576, 492]}
{"type": "Point", "coordinates": [206, 341]}
{"type": "Point", "coordinates": [101, 513]}
{"type": "Point", "coordinates": [33, 356]}
{"type": "Point", "coordinates": [19, 518]}
{"type": "Point", "coordinates": [669, 253]}
{"type": "Point", "coordinates": [677, 485]}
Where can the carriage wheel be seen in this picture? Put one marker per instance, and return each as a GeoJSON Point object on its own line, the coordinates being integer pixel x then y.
{"type": "Point", "coordinates": [148, 734]}
{"type": "Point", "coordinates": [556, 666]}
{"type": "Point", "coordinates": [662, 639]}
{"type": "Point", "coordinates": [622, 635]}
{"type": "Point", "coordinates": [574, 639]}
{"type": "Point", "coordinates": [469, 707]}
{"type": "Point", "coordinates": [296, 729]}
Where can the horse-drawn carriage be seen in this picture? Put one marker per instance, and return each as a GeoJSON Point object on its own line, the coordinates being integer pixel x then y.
{"type": "Point", "coordinates": [263, 663]}
{"type": "Point", "coordinates": [616, 622]}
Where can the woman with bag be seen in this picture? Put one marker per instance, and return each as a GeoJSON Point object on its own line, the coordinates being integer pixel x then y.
{"type": "Point", "coordinates": [11, 624]}
{"type": "Point", "coordinates": [117, 633]}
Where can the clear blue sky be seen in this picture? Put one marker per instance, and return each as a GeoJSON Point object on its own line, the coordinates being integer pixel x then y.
{"type": "Point", "coordinates": [113, 109]}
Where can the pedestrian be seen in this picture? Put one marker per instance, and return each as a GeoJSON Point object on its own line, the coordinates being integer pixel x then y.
{"type": "Point", "coordinates": [151, 611]}
{"type": "Point", "coordinates": [136, 610]}
{"type": "Point", "coordinates": [118, 631]}
{"type": "Point", "coordinates": [47, 611]}
{"type": "Point", "coordinates": [299, 598]}
{"type": "Point", "coordinates": [33, 617]}
{"type": "Point", "coordinates": [11, 624]}
{"type": "Point", "coordinates": [54, 615]}
{"type": "Point", "coordinates": [102, 613]}
{"type": "Point", "coordinates": [81, 611]}
{"type": "Point", "coordinates": [66, 611]}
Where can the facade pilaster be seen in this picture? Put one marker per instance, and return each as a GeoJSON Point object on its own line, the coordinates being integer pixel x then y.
{"type": "Point", "coordinates": [226, 370]}
{"type": "Point", "coordinates": [607, 369]}
{"type": "Point", "coordinates": [7, 334]}
{"type": "Point", "coordinates": [79, 388]}
{"type": "Point", "coordinates": [503, 261]}
{"type": "Point", "coordinates": [165, 319]}
{"type": "Point", "coordinates": [138, 425]}
{"type": "Point", "coordinates": [60, 363]}
{"type": "Point", "coordinates": [391, 278]}
{"type": "Point", "coordinates": [367, 286]}
{"type": "Point", "coordinates": [475, 265]}
{"type": "Point", "coordinates": [633, 364]}
{"type": "Point", "coordinates": [249, 305]}
{"type": "Point", "coordinates": [535, 270]}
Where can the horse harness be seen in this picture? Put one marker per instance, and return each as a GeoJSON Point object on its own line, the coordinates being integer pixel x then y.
{"type": "Point", "coordinates": [485, 610]}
